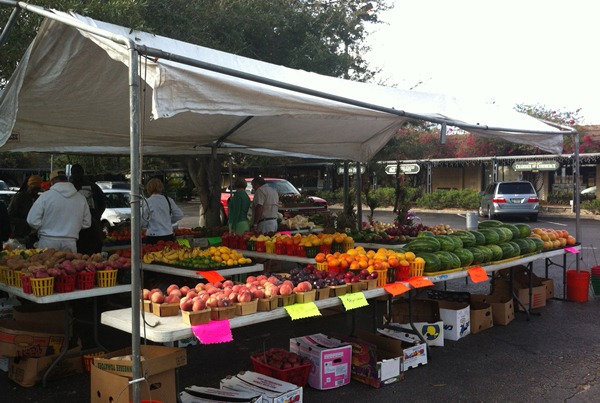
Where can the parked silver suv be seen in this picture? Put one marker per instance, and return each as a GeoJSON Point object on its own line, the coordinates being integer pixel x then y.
{"type": "Point", "coordinates": [517, 198]}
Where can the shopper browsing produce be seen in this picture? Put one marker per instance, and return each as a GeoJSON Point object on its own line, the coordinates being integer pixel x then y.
{"type": "Point", "coordinates": [266, 206]}
{"type": "Point", "coordinates": [239, 204]}
{"type": "Point", "coordinates": [59, 214]}
{"type": "Point", "coordinates": [90, 239]}
{"type": "Point", "coordinates": [19, 207]}
{"type": "Point", "coordinates": [159, 213]}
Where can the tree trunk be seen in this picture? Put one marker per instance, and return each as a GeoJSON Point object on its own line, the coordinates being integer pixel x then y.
{"type": "Point", "coordinates": [205, 172]}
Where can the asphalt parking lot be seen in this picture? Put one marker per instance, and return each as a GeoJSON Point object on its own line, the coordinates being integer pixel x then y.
{"type": "Point", "coordinates": [554, 356]}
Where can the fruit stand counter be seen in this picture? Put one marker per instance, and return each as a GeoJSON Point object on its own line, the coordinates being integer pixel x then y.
{"type": "Point", "coordinates": [170, 329]}
{"type": "Point", "coordinates": [274, 256]}
{"type": "Point", "coordinates": [198, 274]}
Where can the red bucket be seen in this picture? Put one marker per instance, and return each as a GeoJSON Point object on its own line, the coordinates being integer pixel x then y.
{"type": "Point", "coordinates": [578, 285]}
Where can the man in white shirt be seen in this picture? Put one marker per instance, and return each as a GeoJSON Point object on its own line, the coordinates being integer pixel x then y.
{"type": "Point", "coordinates": [59, 214]}
{"type": "Point", "coordinates": [266, 206]}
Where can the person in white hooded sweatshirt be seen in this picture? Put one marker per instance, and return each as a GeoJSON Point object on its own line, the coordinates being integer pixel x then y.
{"type": "Point", "coordinates": [59, 214]}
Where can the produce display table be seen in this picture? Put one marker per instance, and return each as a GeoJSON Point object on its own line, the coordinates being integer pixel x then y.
{"type": "Point", "coordinates": [198, 274]}
{"type": "Point", "coordinates": [66, 298]}
{"type": "Point", "coordinates": [376, 246]}
{"type": "Point", "coordinates": [170, 329]}
{"type": "Point", "coordinates": [274, 256]}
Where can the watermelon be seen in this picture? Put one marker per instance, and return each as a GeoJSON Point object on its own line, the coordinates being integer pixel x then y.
{"type": "Point", "coordinates": [458, 243]}
{"type": "Point", "coordinates": [448, 260]}
{"type": "Point", "coordinates": [507, 232]}
{"type": "Point", "coordinates": [425, 233]}
{"type": "Point", "coordinates": [465, 256]}
{"type": "Point", "coordinates": [489, 224]}
{"type": "Point", "coordinates": [524, 229]}
{"type": "Point", "coordinates": [479, 237]}
{"type": "Point", "coordinates": [539, 244]}
{"type": "Point", "coordinates": [496, 252]}
{"type": "Point", "coordinates": [502, 236]}
{"type": "Point", "coordinates": [467, 238]}
{"type": "Point", "coordinates": [491, 237]}
{"type": "Point", "coordinates": [517, 249]}
{"type": "Point", "coordinates": [424, 244]}
{"type": "Point", "coordinates": [507, 250]}
{"type": "Point", "coordinates": [477, 254]}
{"type": "Point", "coordinates": [516, 233]}
{"type": "Point", "coordinates": [446, 243]}
{"type": "Point", "coordinates": [432, 262]}
{"type": "Point", "coordinates": [524, 245]}
{"type": "Point", "coordinates": [487, 253]}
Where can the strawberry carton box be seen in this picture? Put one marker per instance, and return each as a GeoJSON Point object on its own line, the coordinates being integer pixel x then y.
{"type": "Point", "coordinates": [331, 357]}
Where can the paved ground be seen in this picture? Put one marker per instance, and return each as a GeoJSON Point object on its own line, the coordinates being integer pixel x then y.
{"type": "Point", "coordinates": [553, 357]}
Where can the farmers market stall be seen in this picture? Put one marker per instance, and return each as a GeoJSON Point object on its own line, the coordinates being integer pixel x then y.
{"type": "Point", "coordinates": [308, 107]}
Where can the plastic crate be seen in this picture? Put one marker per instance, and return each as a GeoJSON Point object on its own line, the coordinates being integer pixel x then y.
{"type": "Point", "coordinates": [270, 247]}
{"type": "Point", "coordinates": [348, 244]}
{"type": "Point", "coordinates": [26, 284]}
{"type": "Point", "coordinates": [416, 269]}
{"type": "Point", "coordinates": [13, 278]}
{"type": "Point", "coordinates": [279, 249]}
{"type": "Point", "coordinates": [290, 249]}
{"type": "Point", "coordinates": [337, 247]}
{"type": "Point", "coordinates": [323, 266]}
{"type": "Point", "coordinates": [106, 278]}
{"type": "Point", "coordinates": [402, 273]}
{"type": "Point", "coordinates": [325, 248]}
{"type": "Point", "coordinates": [65, 283]}
{"type": "Point", "coordinates": [298, 375]}
{"type": "Point", "coordinates": [311, 251]}
{"type": "Point", "coordinates": [261, 246]}
{"type": "Point", "coordinates": [42, 287]}
{"type": "Point", "coordinates": [381, 277]}
{"type": "Point", "coordinates": [85, 280]}
{"type": "Point", "coordinates": [3, 274]}
{"type": "Point", "coordinates": [301, 251]}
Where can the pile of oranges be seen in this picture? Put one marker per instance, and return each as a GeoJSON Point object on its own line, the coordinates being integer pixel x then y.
{"type": "Point", "coordinates": [358, 258]}
{"type": "Point", "coordinates": [553, 238]}
{"type": "Point", "coordinates": [309, 240]}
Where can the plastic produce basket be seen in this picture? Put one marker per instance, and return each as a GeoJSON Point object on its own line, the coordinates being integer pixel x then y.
{"type": "Point", "coordinates": [270, 247]}
{"type": "Point", "coordinates": [416, 269]}
{"type": "Point", "coordinates": [106, 278]}
{"type": "Point", "coordinates": [65, 283]}
{"type": "Point", "coordinates": [298, 375]}
{"type": "Point", "coordinates": [42, 287]}
{"type": "Point", "coordinates": [348, 244]}
{"type": "Point", "coordinates": [3, 274]}
{"type": "Point", "coordinates": [381, 277]}
{"type": "Point", "coordinates": [402, 273]}
{"type": "Point", "coordinates": [279, 249]}
{"type": "Point", "coordinates": [88, 358]}
{"type": "Point", "coordinates": [13, 278]}
{"type": "Point", "coordinates": [325, 248]}
{"type": "Point", "coordinates": [261, 246]}
{"type": "Point", "coordinates": [337, 247]}
{"type": "Point", "coordinates": [26, 284]}
{"type": "Point", "coordinates": [85, 280]}
{"type": "Point", "coordinates": [311, 251]}
{"type": "Point", "coordinates": [323, 266]}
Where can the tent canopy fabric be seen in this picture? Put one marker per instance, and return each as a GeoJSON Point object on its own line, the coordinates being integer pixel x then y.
{"type": "Point", "coordinates": [71, 92]}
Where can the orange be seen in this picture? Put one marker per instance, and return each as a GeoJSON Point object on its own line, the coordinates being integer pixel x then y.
{"type": "Point", "coordinates": [354, 266]}
{"type": "Point", "coordinates": [410, 256]}
{"type": "Point", "coordinates": [320, 258]}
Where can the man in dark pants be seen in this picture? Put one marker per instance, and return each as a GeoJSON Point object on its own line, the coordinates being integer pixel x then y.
{"type": "Point", "coordinates": [90, 239]}
{"type": "Point", "coordinates": [399, 191]}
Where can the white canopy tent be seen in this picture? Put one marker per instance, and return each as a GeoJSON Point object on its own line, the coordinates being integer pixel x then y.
{"type": "Point", "coordinates": [84, 84]}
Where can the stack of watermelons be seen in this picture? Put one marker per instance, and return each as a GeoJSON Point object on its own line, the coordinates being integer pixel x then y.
{"type": "Point", "coordinates": [493, 241]}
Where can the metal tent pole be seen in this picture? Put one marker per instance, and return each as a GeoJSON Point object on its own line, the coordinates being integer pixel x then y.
{"type": "Point", "coordinates": [576, 195]}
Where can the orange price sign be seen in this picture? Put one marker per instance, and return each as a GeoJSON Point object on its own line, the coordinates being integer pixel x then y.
{"type": "Point", "coordinates": [477, 274]}
{"type": "Point", "coordinates": [396, 288]}
{"type": "Point", "coordinates": [419, 282]}
{"type": "Point", "coordinates": [211, 276]}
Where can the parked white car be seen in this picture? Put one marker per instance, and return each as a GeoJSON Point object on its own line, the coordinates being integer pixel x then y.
{"type": "Point", "coordinates": [118, 209]}
{"type": "Point", "coordinates": [5, 193]}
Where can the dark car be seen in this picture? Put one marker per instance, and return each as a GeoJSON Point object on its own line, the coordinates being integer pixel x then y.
{"type": "Point", "coordinates": [516, 198]}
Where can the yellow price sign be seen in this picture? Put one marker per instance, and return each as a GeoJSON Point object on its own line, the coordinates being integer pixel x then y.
{"type": "Point", "coordinates": [301, 311]}
{"type": "Point", "coordinates": [354, 300]}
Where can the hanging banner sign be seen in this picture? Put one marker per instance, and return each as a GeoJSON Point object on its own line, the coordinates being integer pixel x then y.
{"type": "Point", "coordinates": [408, 169]}
{"type": "Point", "coordinates": [535, 165]}
{"type": "Point", "coordinates": [351, 170]}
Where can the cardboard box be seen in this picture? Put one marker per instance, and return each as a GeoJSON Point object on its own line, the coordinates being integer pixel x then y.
{"type": "Point", "coordinates": [41, 314]}
{"type": "Point", "coordinates": [267, 304]}
{"type": "Point", "coordinates": [457, 319]}
{"type": "Point", "coordinates": [376, 360]}
{"type": "Point", "coordinates": [157, 359]}
{"type": "Point", "coordinates": [246, 308]}
{"type": "Point", "coordinates": [549, 284]}
{"type": "Point", "coordinates": [107, 387]}
{"type": "Point", "coordinates": [331, 358]}
{"type": "Point", "coordinates": [165, 309]}
{"type": "Point", "coordinates": [425, 315]}
{"type": "Point", "coordinates": [272, 390]}
{"type": "Point", "coordinates": [481, 316]}
{"type": "Point", "coordinates": [308, 296]}
{"type": "Point", "coordinates": [24, 339]}
{"type": "Point", "coordinates": [414, 351]}
{"type": "Point", "coordinates": [538, 292]}
{"type": "Point", "coordinates": [196, 394]}
{"type": "Point", "coordinates": [196, 318]}
{"type": "Point", "coordinates": [29, 371]}
{"type": "Point", "coordinates": [503, 309]}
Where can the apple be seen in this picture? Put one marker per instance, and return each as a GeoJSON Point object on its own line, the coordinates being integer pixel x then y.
{"type": "Point", "coordinates": [176, 291]}
{"type": "Point", "coordinates": [285, 289]}
{"type": "Point", "coordinates": [157, 297]}
{"type": "Point", "coordinates": [228, 283]}
{"type": "Point", "coordinates": [146, 293]}
{"type": "Point", "coordinates": [212, 302]}
{"type": "Point", "coordinates": [198, 305]}
{"type": "Point", "coordinates": [244, 296]}
{"type": "Point", "coordinates": [186, 304]}
{"type": "Point", "coordinates": [172, 299]}
{"type": "Point", "coordinates": [184, 290]}
{"type": "Point", "coordinates": [171, 288]}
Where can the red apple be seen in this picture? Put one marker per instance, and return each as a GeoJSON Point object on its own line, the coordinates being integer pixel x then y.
{"type": "Point", "coordinates": [172, 299]}
{"type": "Point", "coordinates": [184, 290]}
{"type": "Point", "coordinates": [157, 297]}
{"type": "Point", "coordinates": [171, 288]}
{"type": "Point", "coordinates": [198, 305]}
